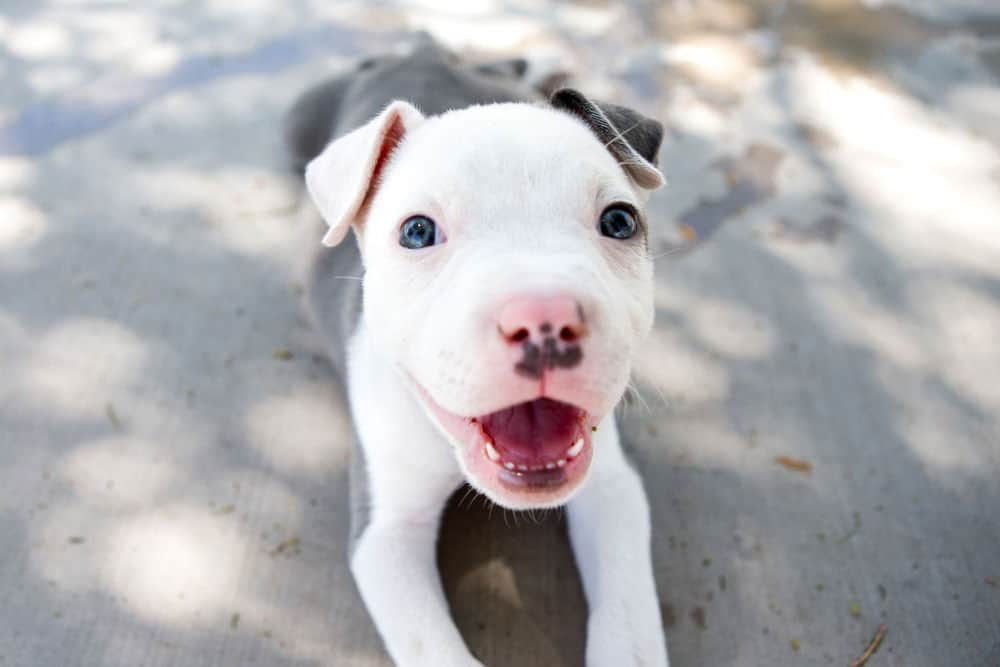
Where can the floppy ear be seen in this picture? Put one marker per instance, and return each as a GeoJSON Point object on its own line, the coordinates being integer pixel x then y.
{"type": "Point", "coordinates": [341, 179]}
{"type": "Point", "coordinates": [633, 139]}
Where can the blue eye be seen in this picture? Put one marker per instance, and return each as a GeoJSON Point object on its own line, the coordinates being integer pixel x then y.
{"type": "Point", "coordinates": [417, 232]}
{"type": "Point", "coordinates": [618, 222]}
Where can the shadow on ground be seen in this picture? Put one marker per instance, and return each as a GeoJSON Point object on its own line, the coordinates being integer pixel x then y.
{"type": "Point", "coordinates": [175, 444]}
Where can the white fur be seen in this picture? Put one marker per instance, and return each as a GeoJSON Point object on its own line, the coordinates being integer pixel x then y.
{"type": "Point", "coordinates": [517, 220]}
{"type": "Point", "coordinates": [609, 530]}
{"type": "Point", "coordinates": [517, 191]}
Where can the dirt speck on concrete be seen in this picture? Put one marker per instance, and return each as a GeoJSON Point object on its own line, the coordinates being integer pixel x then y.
{"type": "Point", "coordinates": [698, 616]}
{"type": "Point", "coordinates": [797, 465]}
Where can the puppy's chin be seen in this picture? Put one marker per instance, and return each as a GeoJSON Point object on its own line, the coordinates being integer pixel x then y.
{"type": "Point", "coordinates": [529, 455]}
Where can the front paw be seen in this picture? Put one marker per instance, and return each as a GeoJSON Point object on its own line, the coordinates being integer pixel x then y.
{"type": "Point", "coordinates": [615, 640]}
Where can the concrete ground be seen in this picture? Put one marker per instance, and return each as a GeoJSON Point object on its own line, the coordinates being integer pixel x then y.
{"type": "Point", "coordinates": [818, 419]}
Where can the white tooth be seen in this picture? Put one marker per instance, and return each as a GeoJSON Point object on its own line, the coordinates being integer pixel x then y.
{"type": "Point", "coordinates": [575, 449]}
{"type": "Point", "coordinates": [492, 452]}
{"type": "Point", "coordinates": [522, 467]}
{"type": "Point", "coordinates": [561, 462]}
{"type": "Point", "coordinates": [550, 465]}
{"type": "Point", "coordinates": [508, 465]}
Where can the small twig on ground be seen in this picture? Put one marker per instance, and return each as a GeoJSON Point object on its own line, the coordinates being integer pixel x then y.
{"type": "Point", "coordinates": [872, 647]}
{"type": "Point", "coordinates": [798, 465]}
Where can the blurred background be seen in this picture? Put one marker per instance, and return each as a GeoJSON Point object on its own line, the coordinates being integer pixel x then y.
{"type": "Point", "coordinates": [818, 414]}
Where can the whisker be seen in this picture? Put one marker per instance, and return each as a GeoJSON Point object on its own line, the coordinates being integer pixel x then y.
{"type": "Point", "coordinates": [349, 277]}
{"type": "Point", "coordinates": [663, 397]}
{"type": "Point", "coordinates": [672, 251]}
{"type": "Point", "coordinates": [638, 397]}
{"type": "Point", "coordinates": [627, 401]}
{"type": "Point", "coordinates": [486, 502]}
{"type": "Point", "coordinates": [621, 134]}
{"type": "Point", "coordinates": [627, 163]}
{"type": "Point", "coordinates": [468, 490]}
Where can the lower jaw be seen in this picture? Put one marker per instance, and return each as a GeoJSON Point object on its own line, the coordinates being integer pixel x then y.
{"type": "Point", "coordinates": [533, 489]}
{"type": "Point", "coordinates": [541, 479]}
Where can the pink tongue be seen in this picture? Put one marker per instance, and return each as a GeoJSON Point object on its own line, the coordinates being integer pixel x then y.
{"type": "Point", "coordinates": [539, 430]}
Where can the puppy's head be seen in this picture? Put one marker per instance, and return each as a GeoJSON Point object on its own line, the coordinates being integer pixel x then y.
{"type": "Point", "coordinates": [506, 273]}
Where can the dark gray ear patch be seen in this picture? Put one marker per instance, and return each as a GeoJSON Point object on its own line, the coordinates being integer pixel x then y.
{"type": "Point", "coordinates": [633, 139]}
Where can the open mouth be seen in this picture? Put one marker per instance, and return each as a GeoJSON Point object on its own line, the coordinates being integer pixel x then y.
{"type": "Point", "coordinates": [532, 443]}
{"type": "Point", "coordinates": [531, 454]}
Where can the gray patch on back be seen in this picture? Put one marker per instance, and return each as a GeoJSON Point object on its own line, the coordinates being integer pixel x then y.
{"type": "Point", "coordinates": [334, 302]}
{"type": "Point", "coordinates": [333, 294]}
{"type": "Point", "coordinates": [431, 78]}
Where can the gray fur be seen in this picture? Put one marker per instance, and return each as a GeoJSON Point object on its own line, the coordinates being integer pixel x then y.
{"type": "Point", "coordinates": [431, 78]}
{"type": "Point", "coordinates": [333, 294]}
{"type": "Point", "coordinates": [334, 302]}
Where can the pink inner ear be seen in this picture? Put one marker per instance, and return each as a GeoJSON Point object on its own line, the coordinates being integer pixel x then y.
{"type": "Point", "coordinates": [390, 140]}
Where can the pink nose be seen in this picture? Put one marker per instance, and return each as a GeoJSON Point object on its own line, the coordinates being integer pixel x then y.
{"type": "Point", "coordinates": [525, 318]}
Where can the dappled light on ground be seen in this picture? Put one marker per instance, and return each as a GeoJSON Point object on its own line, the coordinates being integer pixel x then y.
{"type": "Point", "coordinates": [173, 566]}
{"type": "Point", "coordinates": [817, 410]}
{"type": "Point", "coordinates": [310, 451]}
{"type": "Point", "coordinates": [25, 224]}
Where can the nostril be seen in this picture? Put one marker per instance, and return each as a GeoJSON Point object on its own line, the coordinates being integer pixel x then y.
{"type": "Point", "coordinates": [567, 335]}
{"type": "Point", "coordinates": [519, 336]}
{"type": "Point", "coordinates": [544, 321]}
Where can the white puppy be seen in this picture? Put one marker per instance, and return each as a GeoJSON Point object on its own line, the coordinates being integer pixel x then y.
{"type": "Point", "coordinates": [507, 285]}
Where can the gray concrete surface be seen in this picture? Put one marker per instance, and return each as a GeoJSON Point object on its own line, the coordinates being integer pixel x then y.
{"type": "Point", "coordinates": [172, 481]}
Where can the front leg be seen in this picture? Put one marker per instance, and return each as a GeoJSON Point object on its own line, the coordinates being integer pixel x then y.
{"type": "Point", "coordinates": [395, 570]}
{"type": "Point", "coordinates": [610, 532]}
{"type": "Point", "coordinates": [404, 473]}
